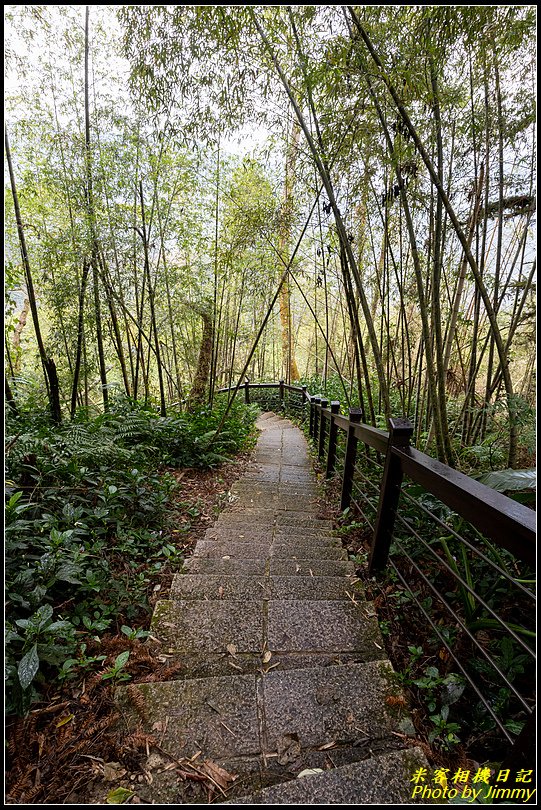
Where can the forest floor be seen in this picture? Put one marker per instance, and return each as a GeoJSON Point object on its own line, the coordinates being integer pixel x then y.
{"type": "Point", "coordinates": [55, 754]}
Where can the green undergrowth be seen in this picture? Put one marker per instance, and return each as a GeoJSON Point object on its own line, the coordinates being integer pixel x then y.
{"type": "Point", "coordinates": [85, 509]}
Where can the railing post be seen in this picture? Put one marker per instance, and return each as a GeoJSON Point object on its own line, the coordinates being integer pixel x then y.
{"type": "Point", "coordinates": [321, 437]}
{"type": "Point", "coordinates": [304, 389]}
{"type": "Point", "coordinates": [355, 415]}
{"type": "Point", "coordinates": [400, 432]}
{"type": "Point", "coordinates": [333, 433]}
{"type": "Point", "coordinates": [315, 424]}
{"type": "Point", "coordinates": [282, 394]}
{"type": "Point", "coordinates": [247, 391]}
{"type": "Point", "coordinates": [303, 402]}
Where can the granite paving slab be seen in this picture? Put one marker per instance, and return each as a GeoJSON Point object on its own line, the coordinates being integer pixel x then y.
{"type": "Point", "coordinates": [250, 588]}
{"type": "Point", "coordinates": [216, 548]}
{"type": "Point", "coordinates": [301, 549]}
{"type": "Point", "coordinates": [241, 534]}
{"type": "Point", "coordinates": [208, 626]}
{"type": "Point", "coordinates": [326, 625]}
{"type": "Point", "coordinates": [323, 705]}
{"type": "Point", "coordinates": [310, 541]}
{"type": "Point", "coordinates": [215, 586]}
{"type": "Point", "coordinates": [311, 567]}
{"type": "Point", "coordinates": [229, 565]}
{"type": "Point", "coordinates": [385, 779]}
{"type": "Point", "coordinates": [214, 715]}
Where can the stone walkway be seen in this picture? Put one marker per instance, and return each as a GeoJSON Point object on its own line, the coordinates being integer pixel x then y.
{"type": "Point", "coordinates": [284, 665]}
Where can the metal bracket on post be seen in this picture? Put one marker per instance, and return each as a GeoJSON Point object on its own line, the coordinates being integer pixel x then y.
{"type": "Point", "coordinates": [321, 437]}
{"type": "Point", "coordinates": [355, 415]}
{"type": "Point", "coordinates": [400, 432]}
{"type": "Point", "coordinates": [247, 391]}
{"type": "Point", "coordinates": [333, 433]}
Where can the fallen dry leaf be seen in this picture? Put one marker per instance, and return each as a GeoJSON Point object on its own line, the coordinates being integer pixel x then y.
{"type": "Point", "coordinates": [219, 775]}
{"type": "Point", "coordinates": [288, 748]}
{"type": "Point", "coordinates": [113, 771]}
{"type": "Point", "coordinates": [267, 657]}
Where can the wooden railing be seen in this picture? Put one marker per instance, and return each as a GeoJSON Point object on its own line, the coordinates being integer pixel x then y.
{"type": "Point", "coordinates": [502, 521]}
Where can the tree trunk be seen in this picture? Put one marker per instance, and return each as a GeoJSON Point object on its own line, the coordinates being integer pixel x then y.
{"type": "Point", "coordinates": [16, 340]}
{"type": "Point", "coordinates": [144, 237]}
{"type": "Point", "coordinates": [92, 223]}
{"type": "Point", "coordinates": [80, 338]}
{"type": "Point", "coordinates": [49, 368]}
{"type": "Point", "coordinates": [201, 378]}
{"type": "Point", "coordinates": [289, 364]}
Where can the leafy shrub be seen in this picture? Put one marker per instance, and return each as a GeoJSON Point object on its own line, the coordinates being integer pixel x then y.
{"type": "Point", "coordinates": [84, 510]}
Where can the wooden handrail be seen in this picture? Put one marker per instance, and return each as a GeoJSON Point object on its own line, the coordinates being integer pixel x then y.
{"type": "Point", "coordinates": [509, 523]}
{"type": "Point", "coordinates": [505, 522]}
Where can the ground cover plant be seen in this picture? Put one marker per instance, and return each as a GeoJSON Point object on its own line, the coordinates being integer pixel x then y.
{"type": "Point", "coordinates": [85, 511]}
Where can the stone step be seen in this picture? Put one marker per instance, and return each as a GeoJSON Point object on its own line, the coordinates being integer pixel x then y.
{"type": "Point", "coordinates": [247, 567]}
{"type": "Point", "coordinates": [289, 549]}
{"type": "Point", "coordinates": [247, 482]}
{"type": "Point", "coordinates": [276, 720]}
{"type": "Point", "coordinates": [241, 534]}
{"type": "Point", "coordinates": [304, 504]}
{"type": "Point", "coordinates": [268, 529]}
{"type": "Point", "coordinates": [216, 586]}
{"type": "Point", "coordinates": [385, 779]}
{"type": "Point", "coordinates": [278, 567]}
{"type": "Point", "coordinates": [216, 549]}
{"type": "Point", "coordinates": [209, 627]}
{"type": "Point", "coordinates": [252, 514]}
{"type": "Point", "coordinates": [226, 535]}
{"type": "Point", "coordinates": [311, 567]}
{"type": "Point", "coordinates": [293, 549]}
{"type": "Point", "coordinates": [274, 488]}
{"type": "Point", "coordinates": [243, 485]}
{"type": "Point", "coordinates": [287, 518]}
{"type": "Point", "coordinates": [299, 461]}
{"type": "Point", "coordinates": [307, 531]}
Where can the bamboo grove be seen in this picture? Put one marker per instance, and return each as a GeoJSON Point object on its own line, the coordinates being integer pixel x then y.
{"type": "Point", "coordinates": [372, 236]}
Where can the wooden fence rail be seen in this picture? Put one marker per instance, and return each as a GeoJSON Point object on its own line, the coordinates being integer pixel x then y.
{"type": "Point", "coordinates": [503, 521]}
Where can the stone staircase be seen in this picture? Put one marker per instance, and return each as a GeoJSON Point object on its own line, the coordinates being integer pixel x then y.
{"type": "Point", "coordinates": [284, 668]}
